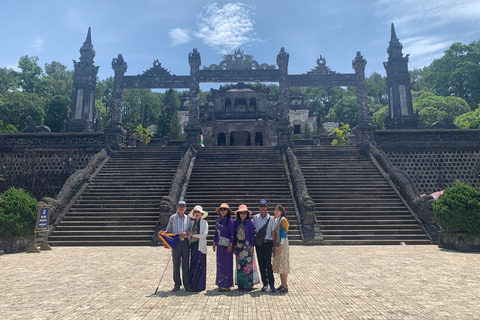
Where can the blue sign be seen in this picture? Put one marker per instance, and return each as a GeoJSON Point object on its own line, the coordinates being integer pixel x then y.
{"type": "Point", "coordinates": [43, 219]}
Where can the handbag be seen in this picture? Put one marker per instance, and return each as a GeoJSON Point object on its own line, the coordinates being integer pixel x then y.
{"type": "Point", "coordinates": [260, 235]}
{"type": "Point", "coordinates": [223, 241]}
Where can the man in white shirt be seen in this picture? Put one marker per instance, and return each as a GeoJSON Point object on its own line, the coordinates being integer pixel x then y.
{"type": "Point", "coordinates": [264, 251]}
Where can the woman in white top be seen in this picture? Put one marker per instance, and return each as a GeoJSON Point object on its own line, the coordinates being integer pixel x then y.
{"type": "Point", "coordinates": [198, 248]}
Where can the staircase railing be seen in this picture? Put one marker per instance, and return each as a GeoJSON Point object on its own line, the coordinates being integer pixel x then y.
{"type": "Point", "coordinates": [420, 206]}
{"type": "Point", "coordinates": [177, 191]}
{"type": "Point", "coordinates": [308, 224]}
{"type": "Point", "coordinates": [74, 187]}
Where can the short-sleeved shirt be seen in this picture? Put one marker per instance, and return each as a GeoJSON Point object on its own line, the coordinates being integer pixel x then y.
{"type": "Point", "coordinates": [259, 223]}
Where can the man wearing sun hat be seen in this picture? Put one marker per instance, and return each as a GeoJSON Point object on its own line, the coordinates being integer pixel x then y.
{"type": "Point", "coordinates": [179, 224]}
{"type": "Point", "coordinates": [264, 251]}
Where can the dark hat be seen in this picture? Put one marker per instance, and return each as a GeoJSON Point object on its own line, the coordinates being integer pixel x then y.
{"type": "Point", "coordinates": [181, 203]}
{"type": "Point", "coordinates": [263, 202]}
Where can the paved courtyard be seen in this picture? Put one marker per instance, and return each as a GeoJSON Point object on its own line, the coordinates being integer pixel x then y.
{"type": "Point", "coordinates": [326, 282]}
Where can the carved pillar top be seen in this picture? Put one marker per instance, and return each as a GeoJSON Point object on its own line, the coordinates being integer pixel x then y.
{"type": "Point", "coordinates": [194, 60]}
{"type": "Point", "coordinates": [358, 65]}
{"type": "Point", "coordinates": [119, 66]}
{"type": "Point", "coordinates": [282, 61]}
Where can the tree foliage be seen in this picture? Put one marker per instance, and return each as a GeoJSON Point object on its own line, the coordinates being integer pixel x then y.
{"type": "Point", "coordinates": [432, 108]}
{"type": "Point", "coordinates": [20, 108]}
{"type": "Point", "coordinates": [169, 119]}
{"type": "Point", "coordinates": [18, 213]}
{"type": "Point", "coordinates": [457, 73]}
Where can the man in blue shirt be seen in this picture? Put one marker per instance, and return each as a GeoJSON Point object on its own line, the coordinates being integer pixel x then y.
{"type": "Point", "coordinates": [179, 224]}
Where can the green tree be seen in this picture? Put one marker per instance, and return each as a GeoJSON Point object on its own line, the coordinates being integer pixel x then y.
{"type": "Point", "coordinates": [104, 92]}
{"type": "Point", "coordinates": [378, 118]}
{"type": "Point", "coordinates": [58, 81]}
{"type": "Point", "coordinates": [469, 120]}
{"type": "Point", "coordinates": [417, 79]}
{"type": "Point", "coordinates": [457, 73]}
{"type": "Point", "coordinates": [30, 74]}
{"type": "Point", "coordinates": [307, 131]}
{"type": "Point", "coordinates": [141, 106]}
{"type": "Point", "coordinates": [21, 108]}
{"type": "Point", "coordinates": [171, 102]}
{"type": "Point", "coordinates": [9, 80]}
{"type": "Point", "coordinates": [377, 88]}
{"type": "Point", "coordinates": [344, 109]}
{"type": "Point", "coordinates": [431, 107]}
{"type": "Point", "coordinates": [56, 111]}
{"type": "Point", "coordinates": [429, 115]}
{"type": "Point", "coordinates": [18, 213]}
{"type": "Point", "coordinates": [7, 128]}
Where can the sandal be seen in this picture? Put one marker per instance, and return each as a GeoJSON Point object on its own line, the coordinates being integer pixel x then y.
{"type": "Point", "coordinates": [283, 290]}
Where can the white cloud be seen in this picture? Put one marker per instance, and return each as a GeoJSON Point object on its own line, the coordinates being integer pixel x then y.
{"type": "Point", "coordinates": [412, 15]}
{"type": "Point", "coordinates": [423, 50]}
{"type": "Point", "coordinates": [227, 28]}
{"type": "Point", "coordinates": [179, 36]}
{"type": "Point", "coordinates": [36, 45]}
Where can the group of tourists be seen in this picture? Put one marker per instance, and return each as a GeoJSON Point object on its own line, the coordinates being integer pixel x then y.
{"type": "Point", "coordinates": [236, 233]}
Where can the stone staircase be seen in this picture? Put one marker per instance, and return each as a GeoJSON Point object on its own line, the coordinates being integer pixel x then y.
{"type": "Point", "coordinates": [240, 175]}
{"type": "Point", "coordinates": [354, 203]}
{"type": "Point", "coordinates": [120, 205]}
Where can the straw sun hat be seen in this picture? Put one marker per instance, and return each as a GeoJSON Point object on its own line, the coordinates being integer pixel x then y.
{"type": "Point", "coordinates": [224, 205]}
{"type": "Point", "coordinates": [198, 208]}
{"type": "Point", "coordinates": [242, 208]}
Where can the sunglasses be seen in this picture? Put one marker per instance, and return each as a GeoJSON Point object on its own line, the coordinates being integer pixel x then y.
{"type": "Point", "coordinates": [223, 209]}
{"type": "Point", "coordinates": [263, 205]}
{"type": "Point", "coordinates": [196, 211]}
{"type": "Point", "coordinates": [243, 212]}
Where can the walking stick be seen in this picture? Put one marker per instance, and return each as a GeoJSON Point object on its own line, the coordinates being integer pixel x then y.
{"type": "Point", "coordinates": [170, 257]}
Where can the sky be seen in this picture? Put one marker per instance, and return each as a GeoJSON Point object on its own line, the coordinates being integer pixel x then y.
{"type": "Point", "coordinates": [167, 30]}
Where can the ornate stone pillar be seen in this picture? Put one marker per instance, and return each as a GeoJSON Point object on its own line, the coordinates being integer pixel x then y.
{"type": "Point", "coordinates": [192, 129]}
{"type": "Point", "coordinates": [120, 67]}
{"type": "Point", "coordinates": [285, 129]}
{"type": "Point", "coordinates": [364, 131]}
{"type": "Point", "coordinates": [400, 111]}
{"type": "Point", "coordinates": [82, 111]}
{"type": "Point", "coordinates": [115, 133]}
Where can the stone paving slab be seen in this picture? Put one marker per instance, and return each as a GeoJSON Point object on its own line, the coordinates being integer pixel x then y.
{"type": "Point", "coordinates": [326, 282]}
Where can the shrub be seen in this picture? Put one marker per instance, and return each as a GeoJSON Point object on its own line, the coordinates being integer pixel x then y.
{"type": "Point", "coordinates": [142, 134]}
{"type": "Point", "coordinates": [18, 213]}
{"type": "Point", "coordinates": [458, 209]}
{"type": "Point", "coordinates": [340, 135]}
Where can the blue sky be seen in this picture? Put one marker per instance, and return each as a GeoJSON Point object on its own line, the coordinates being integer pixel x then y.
{"type": "Point", "coordinates": [167, 30]}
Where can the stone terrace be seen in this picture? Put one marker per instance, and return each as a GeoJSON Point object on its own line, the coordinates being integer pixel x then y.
{"type": "Point", "coordinates": [326, 282]}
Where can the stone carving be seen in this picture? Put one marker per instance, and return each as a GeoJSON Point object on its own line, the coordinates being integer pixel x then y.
{"type": "Point", "coordinates": [238, 61]}
{"type": "Point", "coordinates": [309, 226]}
{"type": "Point", "coordinates": [321, 67]}
{"type": "Point", "coordinates": [33, 127]}
{"type": "Point", "coordinates": [53, 140]}
{"type": "Point", "coordinates": [168, 203]}
{"type": "Point", "coordinates": [157, 71]}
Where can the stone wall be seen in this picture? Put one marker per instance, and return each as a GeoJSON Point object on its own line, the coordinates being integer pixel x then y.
{"type": "Point", "coordinates": [434, 170]}
{"type": "Point", "coordinates": [16, 244]}
{"type": "Point", "coordinates": [41, 163]}
{"type": "Point", "coordinates": [433, 159]}
{"type": "Point", "coordinates": [41, 173]}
